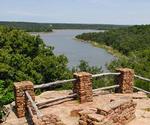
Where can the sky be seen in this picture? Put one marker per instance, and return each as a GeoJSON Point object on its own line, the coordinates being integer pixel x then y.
{"type": "Point", "coordinates": [76, 11]}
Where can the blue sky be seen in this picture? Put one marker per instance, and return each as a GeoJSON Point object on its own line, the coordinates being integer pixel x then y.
{"type": "Point", "coordinates": [76, 11]}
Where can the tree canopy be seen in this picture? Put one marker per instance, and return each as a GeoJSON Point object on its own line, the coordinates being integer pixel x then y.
{"type": "Point", "coordinates": [26, 57]}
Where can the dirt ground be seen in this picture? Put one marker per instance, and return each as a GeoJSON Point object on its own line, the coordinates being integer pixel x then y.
{"type": "Point", "coordinates": [63, 109]}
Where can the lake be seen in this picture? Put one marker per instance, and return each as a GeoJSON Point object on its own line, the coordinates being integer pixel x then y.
{"type": "Point", "coordinates": [65, 43]}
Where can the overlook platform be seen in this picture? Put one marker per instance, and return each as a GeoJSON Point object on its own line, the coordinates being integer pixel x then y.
{"type": "Point", "coordinates": [68, 111]}
{"type": "Point", "coordinates": [119, 104]}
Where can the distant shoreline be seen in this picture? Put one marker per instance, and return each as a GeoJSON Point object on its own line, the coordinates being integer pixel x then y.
{"type": "Point", "coordinates": [44, 27]}
{"type": "Point", "coordinates": [109, 49]}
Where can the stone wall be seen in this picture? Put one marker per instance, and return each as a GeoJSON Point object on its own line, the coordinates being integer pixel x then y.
{"type": "Point", "coordinates": [115, 113]}
{"type": "Point", "coordinates": [50, 119]}
{"type": "Point", "coordinates": [125, 80]}
{"type": "Point", "coordinates": [83, 87]}
{"type": "Point", "coordinates": [20, 98]}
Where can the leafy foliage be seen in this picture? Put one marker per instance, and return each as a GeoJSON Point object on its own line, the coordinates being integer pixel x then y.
{"type": "Point", "coordinates": [84, 66]}
{"type": "Point", "coordinates": [26, 57]}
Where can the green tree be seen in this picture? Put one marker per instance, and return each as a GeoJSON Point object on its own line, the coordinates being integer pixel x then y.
{"type": "Point", "coordinates": [26, 57]}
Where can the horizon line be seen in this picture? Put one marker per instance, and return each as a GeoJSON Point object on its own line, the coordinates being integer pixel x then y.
{"type": "Point", "coordinates": [68, 23]}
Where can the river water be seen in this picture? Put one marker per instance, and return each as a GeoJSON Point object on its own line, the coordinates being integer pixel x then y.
{"type": "Point", "coordinates": [65, 43]}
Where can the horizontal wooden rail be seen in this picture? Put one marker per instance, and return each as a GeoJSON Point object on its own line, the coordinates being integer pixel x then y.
{"type": "Point", "coordinates": [104, 74]}
{"type": "Point", "coordinates": [139, 89]}
{"type": "Point", "coordinates": [142, 78]}
{"type": "Point", "coordinates": [73, 95]}
{"type": "Point", "coordinates": [105, 88]}
{"type": "Point", "coordinates": [52, 84]}
{"type": "Point", "coordinates": [39, 114]}
{"type": "Point", "coordinates": [70, 80]}
{"type": "Point", "coordinates": [56, 103]}
{"type": "Point", "coordinates": [56, 99]}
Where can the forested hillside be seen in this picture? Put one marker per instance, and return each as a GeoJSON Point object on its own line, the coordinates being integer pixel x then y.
{"type": "Point", "coordinates": [46, 27]}
{"type": "Point", "coordinates": [29, 27]}
{"type": "Point", "coordinates": [133, 42]}
{"type": "Point", "coordinates": [86, 26]}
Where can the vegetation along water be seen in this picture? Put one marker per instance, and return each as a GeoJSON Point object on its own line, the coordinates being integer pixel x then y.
{"type": "Point", "coordinates": [133, 44]}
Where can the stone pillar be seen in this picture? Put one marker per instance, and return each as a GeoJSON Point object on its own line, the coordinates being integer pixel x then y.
{"type": "Point", "coordinates": [20, 98]}
{"type": "Point", "coordinates": [83, 86]}
{"type": "Point", "coordinates": [125, 80]}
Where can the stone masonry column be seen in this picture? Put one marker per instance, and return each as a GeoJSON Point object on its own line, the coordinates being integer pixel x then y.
{"type": "Point", "coordinates": [83, 87]}
{"type": "Point", "coordinates": [125, 80]}
{"type": "Point", "coordinates": [20, 98]}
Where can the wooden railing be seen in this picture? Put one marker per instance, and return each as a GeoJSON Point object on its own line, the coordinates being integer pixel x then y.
{"type": "Point", "coordinates": [46, 85]}
{"type": "Point", "coordinates": [33, 104]}
{"type": "Point", "coordinates": [94, 91]}
{"type": "Point", "coordinates": [105, 74]}
{"type": "Point", "coordinates": [53, 83]}
{"type": "Point", "coordinates": [141, 78]}
{"type": "Point", "coordinates": [36, 106]}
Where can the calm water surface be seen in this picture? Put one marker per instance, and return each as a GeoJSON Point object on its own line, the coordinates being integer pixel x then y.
{"type": "Point", "coordinates": [65, 43]}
